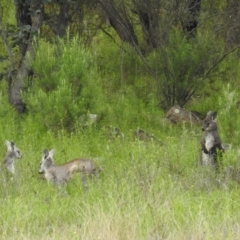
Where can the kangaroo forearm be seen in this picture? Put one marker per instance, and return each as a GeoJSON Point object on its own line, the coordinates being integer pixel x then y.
{"type": "Point", "coordinates": [204, 147]}
{"type": "Point", "coordinates": [218, 145]}
{"type": "Point", "coordinates": [214, 148]}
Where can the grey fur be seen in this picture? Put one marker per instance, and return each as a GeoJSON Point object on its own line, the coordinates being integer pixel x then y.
{"type": "Point", "coordinates": [62, 173]}
{"type": "Point", "coordinates": [12, 153]}
{"type": "Point", "coordinates": [211, 143]}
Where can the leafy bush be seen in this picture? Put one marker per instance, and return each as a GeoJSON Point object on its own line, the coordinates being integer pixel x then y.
{"type": "Point", "coordinates": [182, 65]}
{"type": "Point", "coordinates": [66, 85]}
{"type": "Point", "coordinates": [228, 116]}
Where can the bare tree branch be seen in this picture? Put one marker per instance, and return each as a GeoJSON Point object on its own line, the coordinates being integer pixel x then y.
{"type": "Point", "coordinates": [221, 59]}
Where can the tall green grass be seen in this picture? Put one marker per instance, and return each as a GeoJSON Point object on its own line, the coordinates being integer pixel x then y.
{"type": "Point", "coordinates": [147, 191]}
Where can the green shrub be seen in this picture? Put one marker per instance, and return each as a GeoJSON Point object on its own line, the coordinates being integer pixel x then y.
{"type": "Point", "coordinates": [65, 86]}
{"type": "Point", "coordinates": [228, 115]}
{"type": "Point", "coordinates": [181, 65]}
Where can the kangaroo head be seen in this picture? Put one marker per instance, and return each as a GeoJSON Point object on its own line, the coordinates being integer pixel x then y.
{"type": "Point", "coordinates": [13, 151]}
{"type": "Point", "coordinates": [47, 160]}
{"type": "Point", "coordinates": [210, 116]}
{"type": "Point", "coordinates": [210, 126]}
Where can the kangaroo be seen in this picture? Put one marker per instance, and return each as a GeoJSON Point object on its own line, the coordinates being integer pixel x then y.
{"type": "Point", "coordinates": [210, 116]}
{"type": "Point", "coordinates": [12, 153]}
{"type": "Point", "coordinates": [59, 174]}
{"type": "Point", "coordinates": [145, 136]}
{"type": "Point", "coordinates": [211, 142]}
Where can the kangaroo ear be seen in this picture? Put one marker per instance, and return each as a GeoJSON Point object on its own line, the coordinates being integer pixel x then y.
{"type": "Point", "coordinates": [45, 153]}
{"type": "Point", "coordinates": [8, 145]}
{"type": "Point", "coordinates": [214, 115]}
{"type": "Point", "coordinates": [12, 144]}
{"type": "Point", "coordinates": [51, 153]}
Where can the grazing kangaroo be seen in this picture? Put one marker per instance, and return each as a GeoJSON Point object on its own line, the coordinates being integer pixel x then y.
{"type": "Point", "coordinates": [12, 153]}
{"type": "Point", "coordinates": [211, 141]}
{"type": "Point", "coordinates": [62, 173]}
{"type": "Point", "coordinates": [145, 136]}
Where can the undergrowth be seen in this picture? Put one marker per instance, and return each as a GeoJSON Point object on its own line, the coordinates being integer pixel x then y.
{"type": "Point", "coordinates": [146, 191]}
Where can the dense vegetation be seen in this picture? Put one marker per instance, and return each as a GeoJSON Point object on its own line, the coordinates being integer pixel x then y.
{"type": "Point", "coordinates": [148, 190]}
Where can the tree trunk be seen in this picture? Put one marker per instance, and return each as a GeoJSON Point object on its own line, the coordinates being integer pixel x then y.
{"type": "Point", "coordinates": [121, 24]}
{"type": "Point", "coordinates": [190, 23]}
{"type": "Point", "coordinates": [23, 20]}
{"type": "Point", "coordinates": [63, 19]}
{"type": "Point", "coordinates": [148, 13]}
{"type": "Point", "coordinates": [27, 54]}
{"type": "Point", "coordinates": [233, 23]}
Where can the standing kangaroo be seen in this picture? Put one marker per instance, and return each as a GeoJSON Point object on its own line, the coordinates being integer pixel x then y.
{"type": "Point", "coordinates": [62, 173]}
{"type": "Point", "coordinates": [12, 153]}
{"type": "Point", "coordinates": [211, 141]}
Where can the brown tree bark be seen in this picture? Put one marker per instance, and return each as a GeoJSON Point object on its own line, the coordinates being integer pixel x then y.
{"type": "Point", "coordinates": [23, 17]}
{"type": "Point", "coordinates": [190, 22]}
{"type": "Point", "coordinates": [148, 12]}
{"type": "Point", "coordinates": [27, 54]}
{"type": "Point", "coordinates": [233, 23]}
{"type": "Point", "coordinates": [121, 24]}
{"type": "Point", "coordinates": [63, 19]}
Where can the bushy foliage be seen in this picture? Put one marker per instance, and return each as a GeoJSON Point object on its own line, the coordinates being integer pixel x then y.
{"type": "Point", "coordinates": [66, 84]}
{"type": "Point", "coordinates": [143, 185]}
{"type": "Point", "coordinates": [181, 65]}
{"type": "Point", "coordinates": [126, 110]}
{"type": "Point", "coordinates": [9, 119]}
{"type": "Point", "coordinates": [121, 67]}
{"type": "Point", "coordinates": [229, 116]}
